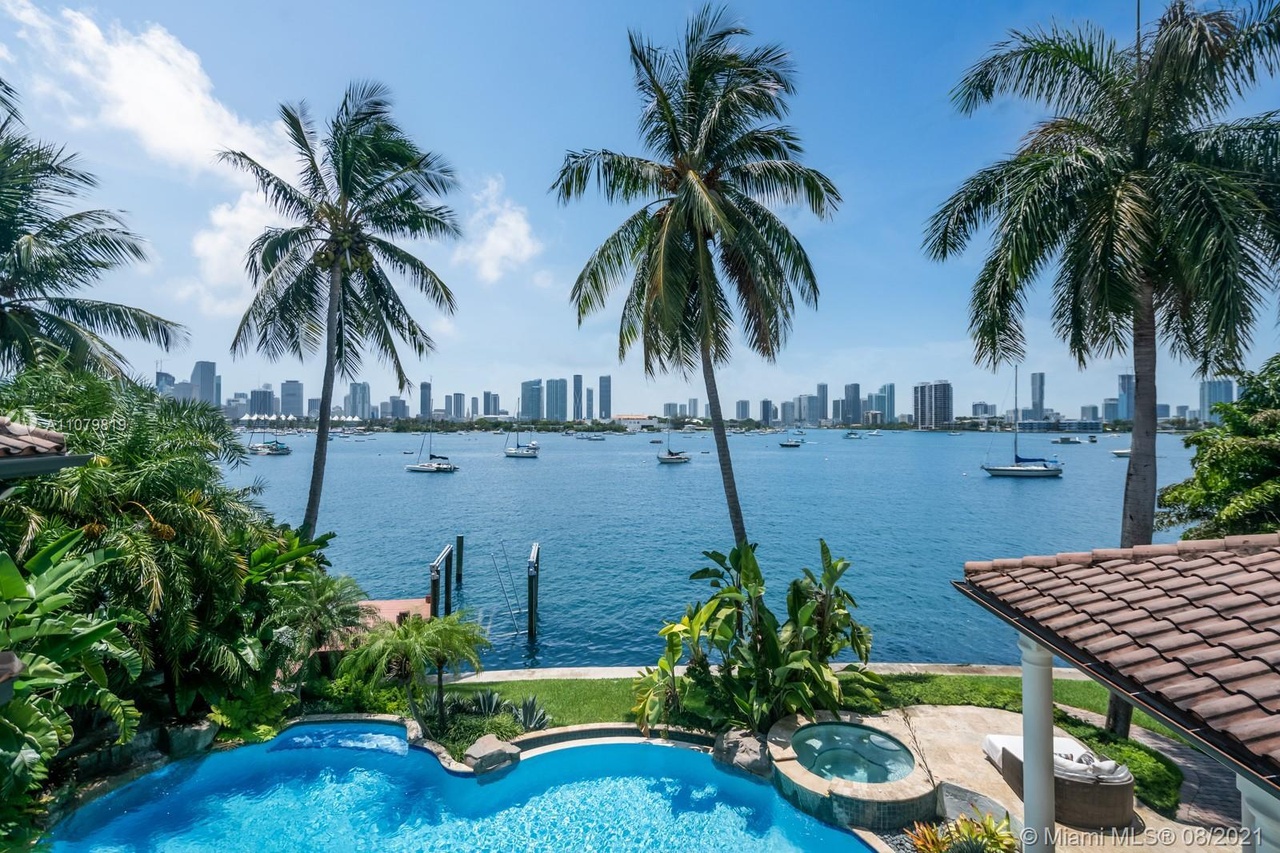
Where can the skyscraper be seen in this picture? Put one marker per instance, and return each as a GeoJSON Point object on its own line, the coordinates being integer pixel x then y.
{"type": "Point", "coordinates": [693, 407]}
{"type": "Point", "coordinates": [1037, 396]}
{"type": "Point", "coordinates": [475, 408]}
{"type": "Point", "coordinates": [399, 407]}
{"type": "Point", "coordinates": [291, 399]}
{"type": "Point", "coordinates": [262, 402]}
{"type": "Point", "coordinates": [459, 406]}
{"type": "Point", "coordinates": [558, 400]}
{"type": "Point", "coordinates": [1125, 398]}
{"type": "Point", "coordinates": [837, 410]}
{"type": "Point", "coordinates": [743, 410]}
{"type": "Point", "coordinates": [358, 400]}
{"type": "Point", "coordinates": [313, 407]}
{"type": "Point", "coordinates": [577, 396]}
{"type": "Point", "coordinates": [932, 404]}
{"type": "Point", "coordinates": [606, 398]}
{"type": "Point", "coordinates": [204, 383]}
{"type": "Point", "coordinates": [164, 383]}
{"type": "Point", "coordinates": [670, 410]}
{"type": "Point", "coordinates": [1181, 411]}
{"type": "Point", "coordinates": [1110, 410]}
{"type": "Point", "coordinates": [851, 411]}
{"type": "Point", "coordinates": [788, 413]}
{"type": "Point", "coordinates": [1088, 413]}
{"type": "Point", "coordinates": [531, 400]}
{"type": "Point", "coordinates": [488, 404]}
{"type": "Point", "coordinates": [424, 400]}
{"type": "Point", "coordinates": [448, 407]}
{"type": "Point", "coordinates": [766, 412]}
{"type": "Point", "coordinates": [1212, 392]}
{"type": "Point", "coordinates": [888, 409]}
{"type": "Point", "coordinates": [821, 414]}
{"type": "Point", "coordinates": [183, 391]}
{"type": "Point", "coordinates": [591, 403]}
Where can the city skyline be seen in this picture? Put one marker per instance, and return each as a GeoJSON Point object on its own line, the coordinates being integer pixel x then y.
{"type": "Point", "coordinates": [153, 148]}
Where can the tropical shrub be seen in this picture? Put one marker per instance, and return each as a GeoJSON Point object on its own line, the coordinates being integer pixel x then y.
{"type": "Point", "coordinates": [465, 729]}
{"type": "Point", "coordinates": [768, 668]}
{"type": "Point", "coordinates": [530, 713]}
{"type": "Point", "coordinates": [1234, 486]}
{"type": "Point", "coordinates": [979, 834]}
{"type": "Point", "coordinates": [488, 703]}
{"type": "Point", "coordinates": [70, 662]}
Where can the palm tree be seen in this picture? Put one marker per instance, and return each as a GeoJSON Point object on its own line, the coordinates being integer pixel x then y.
{"type": "Point", "coordinates": [47, 255]}
{"type": "Point", "coordinates": [405, 653]}
{"type": "Point", "coordinates": [1159, 214]}
{"type": "Point", "coordinates": [705, 236]}
{"type": "Point", "coordinates": [324, 281]}
{"type": "Point", "coordinates": [316, 612]}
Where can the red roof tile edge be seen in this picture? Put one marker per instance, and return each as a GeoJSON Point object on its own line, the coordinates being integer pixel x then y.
{"type": "Point", "coordinates": [1247, 544]}
{"type": "Point", "coordinates": [29, 440]}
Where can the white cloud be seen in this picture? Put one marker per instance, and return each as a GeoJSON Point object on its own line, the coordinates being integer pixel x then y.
{"type": "Point", "coordinates": [222, 289]}
{"type": "Point", "coordinates": [500, 238]}
{"type": "Point", "coordinates": [147, 84]}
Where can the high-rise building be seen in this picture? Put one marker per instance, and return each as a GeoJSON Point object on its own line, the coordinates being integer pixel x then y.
{"type": "Point", "coordinates": [262, 402]}
{"type": "Point", "coordinates": [358, 401]}
{"type": "Point", "coordinates": [851, 411]}
{"type": "Point", "coordinates": [577, 396]}
{"type": "Point", "coordinates": [1089, 413]}
{"type": "Point", "coordinates": [888, 410]}
{"type": "Point", "coordinates": [788, 413]}
{"type": "Point", "coordinates": [448, 407]}
{"type": "Point", "coordinates": [489, 408]}
{"type": "Point", "coordinates": [204, 383]}
{"type": "Point", "coordinates": [1037, 396]}
{"type": "Point", "coordinates": [531, 400]}
{"type": "Point", "coordinates": [706, 411]}
{"type": "Point", "coordinates": [164, 383]}
{"type": "Point", "coordinates": [984, 410]}
{"type": "Point", "coordinates": [497, 405]}
{"type": "Point", "coordinates": [766, 412]}
{"type": "Point", "coordinates": [184, 391]}
{"type": "Point", "coordinates": [693, 407]}
{"type": "Point", "coordinates": [821, 414]}
{"type": "Point", "coordinates": [1181, 411]}
{"type": "Point", "coordinates": [1212, 392]}
{"type": "Point", "coordinates": [606, 398]}
{"type": "Point", "coordinates": [1110, 410]}
{"type": "Point", "coordinates": [384, 410]}
{"type": "Point", "coordinates": [743, 409]}
{"type": "Point", "coordinates": [399, 407]}
{"type": "Point", "coordinates": [591, 403]}
{"type": "Point", "coordinates": [670, 410]}
{"type": "Point", "coordinates": [932, 404]}
{"type": "Point", "coordinates": [313, 407]}
{"type": "Point", "coordinates": [807, 409]}
{"type": "Point", "coordinates": [459, 406]}
{"type": "Point", "coordinates": [217, 390]}
{"type": "Point", "coordinates": [1162, 411]}
{"type": "Point", "coordinates": [475, 408]}
{"type": "Point", "coordinates": [683, 410]}
{"type": "Point", "coordinates": [424, 400]}
{"type": "Point", "coordinates": [558, 400]}
{"type": "Point", "coordinates": [837, 411]}
{"type": "Point", "coordinates": [1125, 397]}
{"type": "Point", "coordinates": [291, 398]}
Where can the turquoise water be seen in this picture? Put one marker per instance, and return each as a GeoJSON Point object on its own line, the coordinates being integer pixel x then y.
{"type": "Point", "coordinates": [355, 787]}
{"type": "Point", "coordinates": [621, 533]}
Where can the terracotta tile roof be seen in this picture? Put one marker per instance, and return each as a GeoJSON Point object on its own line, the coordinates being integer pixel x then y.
{"type": "Point", "coordinates": [21, 440]}
{"type": "Point", "coordinates": [1190, 630]}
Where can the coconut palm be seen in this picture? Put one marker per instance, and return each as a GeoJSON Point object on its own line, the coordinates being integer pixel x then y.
{"type": "Point", "coordinates": [1155, 213]}
{"type": "Point", "coordinates": [47, 255]}
{"type": "Point", "coordinates": [407, 652]}
{"type": "Point", "coordinates": [705, 236]}
{"type": "Point", "coordinates": [324, 281]}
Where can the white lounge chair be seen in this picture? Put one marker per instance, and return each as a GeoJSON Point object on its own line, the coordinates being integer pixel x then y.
{"type": "Point", "coordinates": [1088, 791]}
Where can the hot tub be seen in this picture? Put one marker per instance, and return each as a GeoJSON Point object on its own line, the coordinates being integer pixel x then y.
{"type": "Point", "coordinates": [850, 751]}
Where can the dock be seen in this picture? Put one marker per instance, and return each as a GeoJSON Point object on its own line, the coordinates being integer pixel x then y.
{"type": "Point", "coordinates": [398, 609]}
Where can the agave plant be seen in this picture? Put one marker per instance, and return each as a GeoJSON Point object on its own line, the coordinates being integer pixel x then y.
{"type": "Point", "coordinates": [487, 703]}
{"type": "Point", "coordinates": [529, 713]}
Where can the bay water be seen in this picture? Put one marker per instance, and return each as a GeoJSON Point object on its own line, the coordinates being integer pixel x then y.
{"type": "Point", "coordinates": [620, 533]}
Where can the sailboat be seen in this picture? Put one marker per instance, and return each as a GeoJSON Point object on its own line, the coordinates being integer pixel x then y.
{"type": "Point", "coordinates": [521, 451]}
{"type": "Point", "coordinates": [1023, 466]}
{"type": "Point", "coordinates": [434, 464]}
{"type": "Point", "coordinates": [672, 457]}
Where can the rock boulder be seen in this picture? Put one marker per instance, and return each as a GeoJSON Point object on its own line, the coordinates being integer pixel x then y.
{"type": "Point", "coordinates": [489, 753]}
{"type": "Point", "coordinates": [181, 741]}
{"type": "Point", "coordinates": [745, 751]}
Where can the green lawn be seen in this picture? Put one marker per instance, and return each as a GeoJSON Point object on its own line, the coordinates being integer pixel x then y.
{"type": "Point", "coordinates": [575, 701]}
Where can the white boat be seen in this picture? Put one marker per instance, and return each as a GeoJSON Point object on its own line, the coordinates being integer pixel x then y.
{"type": "Point", "coordinates": [875, 433]}
{"type": "Point", "coordinates": [434, 464]}
{"type": "Point", "coordinates": [274, 447]}
{"type": "Point", "coordinates": [1122, 452]}
{"type": "Point", "coordinates": [1066, 439]}
{"type": "Point", "coordinates": [791, 442]}
{"type": "Point", "coordinates": [853, 433]}
{"type": "Point", "coordinates": [521, 451]}
{"type": "Point", "coordinates": [1023, 466]}
{"type": "Point", "coordinates": [672, 457]}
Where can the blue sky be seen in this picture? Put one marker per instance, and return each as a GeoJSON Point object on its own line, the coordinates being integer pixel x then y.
{"type": "Point", "coordinates": [147, 92]}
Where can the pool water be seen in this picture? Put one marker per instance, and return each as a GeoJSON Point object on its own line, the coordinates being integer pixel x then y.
{"type": "Point", "coordinates": [341, 787]}
{"type": "Point", "coordinates": [850, 751]}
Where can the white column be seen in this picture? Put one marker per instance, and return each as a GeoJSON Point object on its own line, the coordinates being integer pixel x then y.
{"type": "Point", "coordinates": [1260, 810]}
{"type": "Point", "coordinates": [1037, 746]}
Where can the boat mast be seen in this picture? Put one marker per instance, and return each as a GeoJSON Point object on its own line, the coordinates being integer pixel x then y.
{"type": "Point", "coordinates": [1017, 413]}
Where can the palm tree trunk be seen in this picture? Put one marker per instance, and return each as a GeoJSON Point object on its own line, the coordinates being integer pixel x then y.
{"type": "Point", "coordinates": [440, 697]}
{"type": "Point", "coordinates": [326, 405]}
{"type": "Point", "coordinates": [722, 448]}
{"type": "Point", "coordinates": [1140, 481]}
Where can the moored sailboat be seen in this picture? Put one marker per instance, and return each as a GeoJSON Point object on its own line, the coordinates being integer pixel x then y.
{"type": "Point", "coordinates": [1023, 466]}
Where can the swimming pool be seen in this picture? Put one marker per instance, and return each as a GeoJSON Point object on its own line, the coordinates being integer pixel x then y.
{"type": "Point", "coordinates": [359, 786]}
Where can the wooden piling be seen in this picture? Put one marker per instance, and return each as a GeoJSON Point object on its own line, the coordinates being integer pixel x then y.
{"type": "Point", "coordinates": [535, 560]}
{"type": "Point", "coordinates": [448, 584]}
{"type": "Point", "coordinates": [457, 550]}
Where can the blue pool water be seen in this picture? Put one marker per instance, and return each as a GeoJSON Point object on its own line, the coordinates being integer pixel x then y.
{"type": "Point", "coordinates": [621, 533]}
{"type": "Point", "coordinates": [353, 787]}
